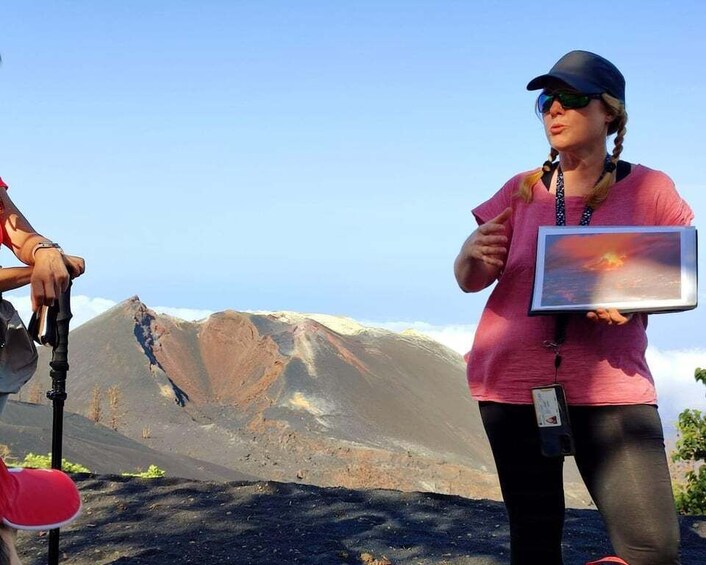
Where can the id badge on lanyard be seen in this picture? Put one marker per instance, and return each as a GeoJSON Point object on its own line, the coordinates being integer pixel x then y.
{"type": "Point", "coordinates": [551, 410]}
{"type": "Point", "coordinates": [550, 407]}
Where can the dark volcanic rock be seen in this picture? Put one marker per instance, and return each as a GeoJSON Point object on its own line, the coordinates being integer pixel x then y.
{"type": "Point", "coordinates": [169, 521]}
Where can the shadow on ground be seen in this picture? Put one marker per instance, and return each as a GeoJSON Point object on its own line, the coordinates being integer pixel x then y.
{"type": "Point", "coordinates": [174, 521]}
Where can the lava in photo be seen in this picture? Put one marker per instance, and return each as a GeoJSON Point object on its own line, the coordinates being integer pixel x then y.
{"type": "Point", "coordinates": [608, 268]}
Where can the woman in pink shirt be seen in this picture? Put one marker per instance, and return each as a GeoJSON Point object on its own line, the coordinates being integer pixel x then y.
{"type": "Point", "coordinates": [616, 432]}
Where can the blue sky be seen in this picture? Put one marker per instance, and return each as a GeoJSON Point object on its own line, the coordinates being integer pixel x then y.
{"type": "Point", "coordinates": [314, 156]}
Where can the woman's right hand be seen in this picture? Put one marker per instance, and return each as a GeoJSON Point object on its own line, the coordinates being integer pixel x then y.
{"type": "Point", "coordinates": [482, 255]}
{"type": "Point", "coordinates": [488, 243]}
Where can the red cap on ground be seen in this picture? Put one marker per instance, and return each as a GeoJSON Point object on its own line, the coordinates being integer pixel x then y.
{"type": "Point", "coordinates": [37, 499]}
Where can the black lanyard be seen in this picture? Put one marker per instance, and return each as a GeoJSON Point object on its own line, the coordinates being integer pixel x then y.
{"type": "Point", "coordinates": [561, 203]}
{"type": "Point", "coordinates": [562, 320]}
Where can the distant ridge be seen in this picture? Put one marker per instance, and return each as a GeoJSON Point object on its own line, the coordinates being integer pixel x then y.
{"type": "Point", "coordinates": [285, 396]}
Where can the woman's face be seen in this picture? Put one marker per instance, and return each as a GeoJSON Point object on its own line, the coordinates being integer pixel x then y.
{"type": "Point", "coordinates": [577, 130]}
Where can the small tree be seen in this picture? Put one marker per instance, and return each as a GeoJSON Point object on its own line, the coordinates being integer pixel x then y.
{"type": "Point", "coordinates": [690, 496]}
{"type": "Point", "coordinates": [95, 409]}
{"type": "Point", "coordinates": [115, 405]}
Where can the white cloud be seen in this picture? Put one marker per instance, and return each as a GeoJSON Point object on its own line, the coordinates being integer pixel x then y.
{"type": "Point", "coordinates": [458, 337]}
{"type": "Point", "coordinates": [190, 314]}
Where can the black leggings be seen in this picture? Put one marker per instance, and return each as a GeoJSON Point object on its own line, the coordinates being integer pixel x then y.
{"type": "Point", "coordinates": [620, 454]}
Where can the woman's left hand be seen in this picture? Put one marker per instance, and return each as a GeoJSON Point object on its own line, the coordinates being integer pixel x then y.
{"type": "Point", "coordinates": [51, 274]}
{"type": "Point", "coordinates": [609, 316]}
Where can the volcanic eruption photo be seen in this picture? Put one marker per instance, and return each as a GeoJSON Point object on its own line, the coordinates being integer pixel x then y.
{"type": "Point", "coordinates": [609, 268]}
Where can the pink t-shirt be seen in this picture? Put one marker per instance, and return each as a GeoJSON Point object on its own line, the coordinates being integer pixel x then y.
{"type": "Point", "coordinates": [601, 364]}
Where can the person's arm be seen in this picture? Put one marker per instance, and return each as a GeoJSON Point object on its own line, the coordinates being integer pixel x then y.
{"type": "Point", "coordinates": [51, 270]}
{"type": "Point", "coordinates": [14, 277]}
{"type": "Point", "coordinates": [482, 255]}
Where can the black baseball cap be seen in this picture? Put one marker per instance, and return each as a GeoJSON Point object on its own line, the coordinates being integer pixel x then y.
{"type": "Point", "coordinates": [583, 71]}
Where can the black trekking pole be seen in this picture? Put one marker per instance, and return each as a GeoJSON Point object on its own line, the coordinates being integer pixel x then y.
{"type": "Point", "coordinates": [59, 367]}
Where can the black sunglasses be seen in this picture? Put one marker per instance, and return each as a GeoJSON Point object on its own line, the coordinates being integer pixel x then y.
{"type": "Point", "coordinates": [568, 100]}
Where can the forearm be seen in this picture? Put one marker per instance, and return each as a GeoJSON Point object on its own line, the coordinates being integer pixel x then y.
{"type": "Point", "coordinates": [26, 244]}
{"type": "Point", "coordinates": [21, 238]}
{"type": "Point", "coordinates": [473, 275]}
{"type": "Point", "coordinates": [14, 277]}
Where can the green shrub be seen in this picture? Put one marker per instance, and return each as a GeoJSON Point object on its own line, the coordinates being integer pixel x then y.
{"type": "Point", "coordinates": [152, 472]}
{"type": "Point", "coordinates": [690, 495]}
{"type": "Point", "coordinates": [34, 461]}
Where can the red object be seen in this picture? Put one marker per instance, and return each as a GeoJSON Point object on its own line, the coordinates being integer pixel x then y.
{"type": "Point", "coordinates": [37, 499]}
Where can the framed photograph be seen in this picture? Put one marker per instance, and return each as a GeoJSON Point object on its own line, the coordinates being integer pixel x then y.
{"type": "Point", "coordinates": [631, 268]}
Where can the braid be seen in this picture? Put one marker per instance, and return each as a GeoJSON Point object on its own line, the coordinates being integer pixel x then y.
{"type": "Point", "coordinates": [600, 191]}
{"type": "Point", "coordinates": [525, 191]}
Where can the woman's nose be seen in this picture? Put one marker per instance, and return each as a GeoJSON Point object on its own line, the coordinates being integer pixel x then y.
{"type": "Point", "coordinates": [556, 108]}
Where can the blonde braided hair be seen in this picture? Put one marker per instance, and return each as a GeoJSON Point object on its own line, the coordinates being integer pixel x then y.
{"type": "Point", "coordinates": [607, 179]}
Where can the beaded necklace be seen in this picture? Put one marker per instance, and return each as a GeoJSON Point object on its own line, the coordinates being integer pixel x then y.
{"type": "Point", "coordinates": [561, 201]}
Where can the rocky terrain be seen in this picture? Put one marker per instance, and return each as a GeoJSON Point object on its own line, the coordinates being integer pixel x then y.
{"type": "Point", "coordinates": [130, 521]}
